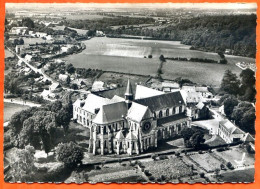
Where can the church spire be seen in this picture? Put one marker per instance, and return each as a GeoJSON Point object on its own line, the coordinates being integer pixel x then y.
{"type": "Point", "coordinates": [129, 94]}
{"type": "Point", "coordinates": [128, 91]}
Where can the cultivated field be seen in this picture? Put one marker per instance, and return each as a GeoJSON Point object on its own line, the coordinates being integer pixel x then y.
{"type": "Point", "coordinates": [127, 56]}
{"type": "Point", "coordinates": [10, 109]}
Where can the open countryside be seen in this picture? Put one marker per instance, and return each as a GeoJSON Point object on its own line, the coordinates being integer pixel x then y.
{"type": "Point", "coordinates": [127, 56]}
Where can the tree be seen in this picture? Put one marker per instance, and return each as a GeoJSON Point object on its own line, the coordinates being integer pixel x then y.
{"type": "Point", "coordinates": [69, 153]}
{"type": "Point", "coordinates": [197, 139]}
{"type": "Point", "coordinates": [74, 86]}
{"type": "Point", "coordinates": [21, 41]}
{"type": "Point", "coordinates": [192, 138]}
{"type": "Point", "coordinates": [150, 56]}
{"type": "Point", "coordinates": [230, 83]}
{"type": "Point", "coordinates": [22, 164]}
{"type": "Point", "coordinates": [186, 133]}
{"type": "Point", "coordinates": [28, 22]}
{"type": "Point", "coordinates": [247, 89]}
{"type": "Point", "coordinates": [162, 59]}
{"type": "Point", "coordinates": [70, 68]}
{"type": "Point", "coordinates": [229, 105]}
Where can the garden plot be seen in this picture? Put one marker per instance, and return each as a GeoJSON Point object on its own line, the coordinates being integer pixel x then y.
{"type": "Point", "coordinates": [206, 161]}
{"type": "Point", "coordinates": [115, 171]}
{"type": "Point", "coordinates": [172, 168]}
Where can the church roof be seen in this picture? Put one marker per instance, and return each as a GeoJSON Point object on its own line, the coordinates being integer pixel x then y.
{"type": "Point", "coordinates": [144, 92]}
{"type": "Point", "coordinates": [119, 135]}
{"type": "Point", "coordinates": [129, 90]}
{"type": "Point", "coordinates": [162, 101]}
{"type": "Point", "coordinates": [137, 112]}
{"type": "Point", "coordinates": [118, 99]}
{"type": "Point", "coordinates": [111, 113]}
{"type": "Point", "coordinates": [94, 102]}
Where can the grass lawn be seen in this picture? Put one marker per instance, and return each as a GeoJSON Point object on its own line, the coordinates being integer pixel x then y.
{"type": "Point", "coordinates": [247, 175]}
{"type": "Point", "coordinates": [10, 109]}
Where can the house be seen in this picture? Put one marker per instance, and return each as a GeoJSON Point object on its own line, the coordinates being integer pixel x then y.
{"type": "Point", "coordinates": [188, 88]}
{"type": "Point", "coordinates": [170, 87]}
{"type": "Point", "coordinates": [28, 58]}
{"type": "Point", "coordinates": [230, 133]}
{"type": "Point", "coordinates": [79, 82]}
{"type": "Point", "coordinates": [199, 89]}
{"type": "Point", "coordinates": [99, 33]}
{"type": "Point", "coordinates": [192, 97]}
{"type": "Point", "coordinates": [18, 30]}
{"type": "Point", "coordinates": [203, 91]}
{"type": "Point", "coordinates": [198, 111]}
{"type": "Point", "coordinates": [127, 125]}
{"type": "Point", "coordinates": [221, 110]}
{"type": "Point", "coordinates": [98, 86]}
{"type": "Point", "coordinates": [19, 49]}
{"type": "Point", "coordinates": [54, 86]}
{"type": "Point", "coordinates": [41, 34]}
{"type": "Point", "coordinates": [64, 77]}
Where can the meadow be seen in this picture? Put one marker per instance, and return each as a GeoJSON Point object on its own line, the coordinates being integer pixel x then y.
{"type": "Point", "coordinates": [127, 56]}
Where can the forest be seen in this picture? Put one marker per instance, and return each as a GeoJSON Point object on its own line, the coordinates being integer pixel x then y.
{"type": "Point", "coordinates": [207, 33]}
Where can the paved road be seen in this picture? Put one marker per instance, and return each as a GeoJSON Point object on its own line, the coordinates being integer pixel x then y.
{"type": "Point", "coordinates": [21, 102]}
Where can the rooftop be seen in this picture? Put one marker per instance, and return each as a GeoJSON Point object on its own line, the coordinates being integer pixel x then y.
{"type": "Point", "coordinates": [162, 101]}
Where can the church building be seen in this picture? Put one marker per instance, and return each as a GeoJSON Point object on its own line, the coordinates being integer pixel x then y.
{"type": "Point", "coordinates": [128, 125]}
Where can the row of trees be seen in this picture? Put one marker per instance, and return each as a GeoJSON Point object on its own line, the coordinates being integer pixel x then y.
{"type": "Point", "coordinates": [209, 33]}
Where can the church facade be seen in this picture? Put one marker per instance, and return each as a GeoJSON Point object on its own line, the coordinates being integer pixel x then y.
{"type": "Point", "coordinates": [128, 125]}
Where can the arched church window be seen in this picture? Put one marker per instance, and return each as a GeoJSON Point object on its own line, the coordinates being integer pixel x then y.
{"type": "Point", "coordinates": [167, 112]}
{"type": "Point", "coordinates": [160, 114]}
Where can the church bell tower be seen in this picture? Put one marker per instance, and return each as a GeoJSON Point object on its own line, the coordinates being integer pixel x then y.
{"type": "Point", "coordinates": [129, 94]}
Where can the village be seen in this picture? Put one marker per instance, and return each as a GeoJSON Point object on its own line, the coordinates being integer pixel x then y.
{"type": "Point", "coordinates": [124, 127]}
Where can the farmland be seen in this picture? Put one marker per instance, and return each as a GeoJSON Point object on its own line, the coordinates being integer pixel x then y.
{"type": "Point", "coordinates": [127, 56]}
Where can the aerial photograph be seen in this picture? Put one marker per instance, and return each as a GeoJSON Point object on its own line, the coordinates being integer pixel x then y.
{"type": "Point", "coordinates": [129, 93]}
